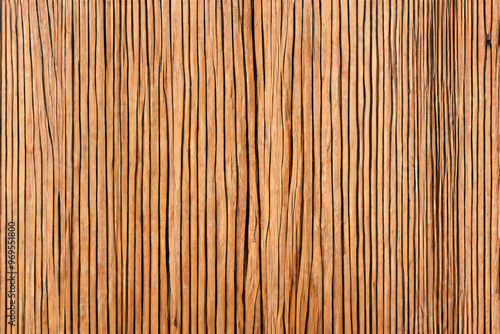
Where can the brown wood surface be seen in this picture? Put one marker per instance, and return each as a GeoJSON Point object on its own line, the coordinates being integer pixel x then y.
{"type": "Point", "coordinates": [251, 166]}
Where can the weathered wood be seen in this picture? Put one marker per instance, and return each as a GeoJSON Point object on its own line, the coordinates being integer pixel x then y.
{"type": "Point", "coordinates": [250, 166]}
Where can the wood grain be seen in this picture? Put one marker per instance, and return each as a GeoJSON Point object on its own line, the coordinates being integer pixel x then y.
{"type": "Point", "coordinates": [251, 166]}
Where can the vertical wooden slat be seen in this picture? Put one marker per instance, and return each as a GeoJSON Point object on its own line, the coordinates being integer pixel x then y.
{"type": "Point", "coordinates": [3, 167]}
{"type": "Point", "coordinates": [201, 145]}
{"type": "Point", "coordinates": [103, 234]}
{"type": "Point", "coordinates": [111, 149]}
{"type": "Point", "coordinates": [495, 147]}
{"type": "Point", "coordinates": [211, 231]}
{"type": "Point", "coordinates": [165, 137]}
{"type": "Point", "coordinates": [326, 167]}
{"type": "Point", "coordinates": [193, 182]}
{"type": "Point", "coordinates": [229, 165]}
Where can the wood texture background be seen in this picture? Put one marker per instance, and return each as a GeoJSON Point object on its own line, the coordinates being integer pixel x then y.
{"type": "Point", "coordinates": [263, 166]}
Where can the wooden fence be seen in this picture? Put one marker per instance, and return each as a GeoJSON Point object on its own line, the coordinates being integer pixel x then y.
{"type": "Point", "coordinates": [249, 166]}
